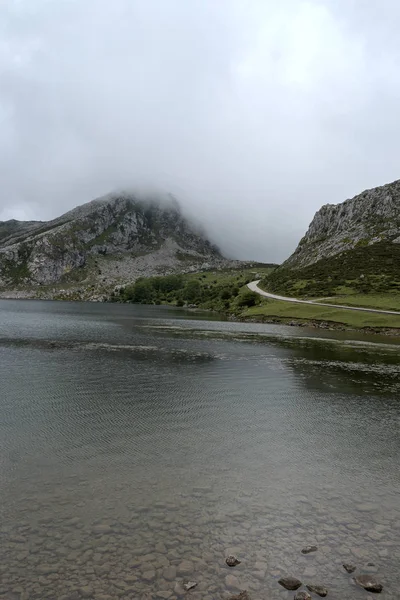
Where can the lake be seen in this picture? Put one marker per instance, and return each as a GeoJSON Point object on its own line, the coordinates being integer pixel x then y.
{"type": "Point", "coordinates": [139, 446]}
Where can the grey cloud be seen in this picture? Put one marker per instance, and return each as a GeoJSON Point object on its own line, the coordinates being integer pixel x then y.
{"type": "Point", "coordinates": [253, 113]}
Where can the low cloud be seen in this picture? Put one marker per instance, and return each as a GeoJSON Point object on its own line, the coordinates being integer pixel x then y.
{"type": "Point", "coordinates": [253, 114]}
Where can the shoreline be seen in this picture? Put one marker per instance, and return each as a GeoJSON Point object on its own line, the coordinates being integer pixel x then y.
{"type": "Point", "coordinates": [315, 324]}
{"type": "Point", "coordinates": [289, 322]}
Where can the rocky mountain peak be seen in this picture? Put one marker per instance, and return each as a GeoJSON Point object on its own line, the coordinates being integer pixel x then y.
{"type": "Point", "coordinates": [369, 218]}
{"type": "Point", "coordinates": [120, 227]}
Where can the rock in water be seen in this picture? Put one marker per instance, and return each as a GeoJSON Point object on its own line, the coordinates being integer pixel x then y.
{"type": "Point", "coordinates": [320, 590]}
{"type": "Point", "coordinates": [349, 568]}
{"type": "Point", "coordinates": [242, 596]}
{"type": "Point", "coordinates": [369, 583]}
{"type": "Point", "coordinates": [290, 583]}
{"type": "Point", "coordinates": [302, 596]}
{"type": "Point", "coordinates": [309, 549]}
{"type": "Point", "coordinates": [232, 561]}
{"type": "Point", "coordinates": [189, 585]}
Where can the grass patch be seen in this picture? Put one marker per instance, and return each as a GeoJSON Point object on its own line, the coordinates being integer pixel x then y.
{"type": "Point", "coordinates": [307, 312]}
{"type": "Point", "coordinates": [382, 301]}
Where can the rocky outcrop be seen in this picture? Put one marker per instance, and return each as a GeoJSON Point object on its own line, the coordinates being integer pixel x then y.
{"type": "Point", "coordinates": [119, 229]}
{"type": "Point", "coordinates": [371, 217]}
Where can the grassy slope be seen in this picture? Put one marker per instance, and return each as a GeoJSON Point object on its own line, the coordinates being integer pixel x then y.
{"type": "Point", "coordinates": [266, 309]}
{"type": "Point", "coordinates": [364, 270]}
{"type": "Point", "coordinates": [368, 276]}
{"type": "Point", "coordinates": [306, 312]}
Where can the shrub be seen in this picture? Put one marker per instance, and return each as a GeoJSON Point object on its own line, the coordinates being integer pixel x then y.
{"type": "Point", "coordinates": [248, 298]}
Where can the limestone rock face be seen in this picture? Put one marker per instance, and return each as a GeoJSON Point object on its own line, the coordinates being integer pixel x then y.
{"type": "Point", "coordinates": [371, 217]}
{"type": "Point", "coordinates": [119, 226]}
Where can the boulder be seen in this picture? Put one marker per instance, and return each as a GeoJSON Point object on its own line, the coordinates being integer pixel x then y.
{"type": "Point", "coordinates": [290, 583]}
{"type": "Point", "coordinates": [369, 583]}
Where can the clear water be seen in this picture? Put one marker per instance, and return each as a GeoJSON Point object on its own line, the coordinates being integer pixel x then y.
{"type": "Point", "coordinates": [139, 446]}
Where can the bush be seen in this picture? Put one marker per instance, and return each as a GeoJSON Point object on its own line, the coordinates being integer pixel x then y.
{"type": "Point", "coordinates": [248, 298]}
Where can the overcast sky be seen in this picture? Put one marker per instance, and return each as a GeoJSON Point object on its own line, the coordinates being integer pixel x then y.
{"type": "Point", "coordinates": [253, 113]}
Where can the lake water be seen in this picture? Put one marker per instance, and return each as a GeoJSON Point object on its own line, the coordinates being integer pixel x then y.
{"type": "Point", "coordinates": [139, 446]}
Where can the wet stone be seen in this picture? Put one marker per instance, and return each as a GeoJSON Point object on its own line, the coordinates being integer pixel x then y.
{"type": "Point", "coordinates": [101, 529]}
{"type": "Point", "coordinates": [165, 594]}
{"type": "Point", "coordinates": [86, 591]}
{"type": "Point", "coordinates": [169, 573]}
{"type": "Point", "coordinates": [149, 575]}
{"type": "Point", "coordinates": [189, 585]}
{"type": "Point", "coordinates": [320, 590]}
{"type": "Point", "coordinates": [290, 583]}
{"type": "Point", "coordinates": [369, 583]}
{"type": "Point", "coordinates": [242, 596]}
{"type": "Point", "coordinates": [309, 549]}
{"type": "Point", "coordinates": [185, 567]}
{"type": "Point", "coordinates": [232, 561]}
{"type": "Point", "coordinates": [302, 596]}
{"type": "Point", "coordinates": [349, 567]}
{"type": "Point", "coordinates": [232, 582]}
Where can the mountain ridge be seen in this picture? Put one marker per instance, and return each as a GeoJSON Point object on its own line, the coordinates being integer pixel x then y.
{"type": "Point", "coordinates": [368, 218]}
{"type": "Point", "coordinates": [349, 248]}
{"type": "Point", "coordinates": [110, 239]}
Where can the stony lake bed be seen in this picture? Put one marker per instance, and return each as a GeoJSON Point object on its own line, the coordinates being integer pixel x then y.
{"type": "Point", "coordinates": [141, 446]}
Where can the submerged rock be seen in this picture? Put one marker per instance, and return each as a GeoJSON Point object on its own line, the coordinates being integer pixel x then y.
{"type": "Point", "coordinates": [232, 561]}
{"type": "Point", "coordinates": [369, 583]}
{"type": "Point", "coordinates": [232, 582]}
{"type": "Point", "coordinates": [189, 585]}
{"type": "Point", "coordinates": [308, 549]}
{"type": "Point", "coordinates": [349, 568]}
{"type": "Point", "coordinates": [242, 596]}
{"type": "Point", "coordinates": [302, 596]}
{"type": "Point", "coordinates": [320, 590]}
{"type": "Point", "coordinates": [290, 583]}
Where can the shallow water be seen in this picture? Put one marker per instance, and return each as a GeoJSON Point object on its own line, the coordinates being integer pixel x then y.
{"type": "Point", "coordinates": [139, 446]}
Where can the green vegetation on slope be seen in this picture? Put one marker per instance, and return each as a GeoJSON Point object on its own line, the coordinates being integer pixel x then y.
{"type": "Point", "coordinates": [364, 270]}
{"type": "Point", "coordinates": [289, 311]}
{"type": "Point", "coordinates": [226, 292]}
{"type": "Point", "coordinates": [223, 291]}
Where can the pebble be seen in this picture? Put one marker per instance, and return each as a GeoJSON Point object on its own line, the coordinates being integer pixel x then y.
{"type": "Point", "coordinates": [149, 575]}
{"type": "Point", "coordinates": [185, 567]}
{"type": "Point", "coordinates": [302, 596]}
{"type": "Point", "coordinates": [169, 573]}
{"type": "Point", "coordinates": [101, 528]}
{"type": "Point", "coordinates": [86, 591]}
{"type": "Point", "coordinates": [232, 582]}
{"type": "Point", "coordinates": [309, 549]}
{"type": "Point", "coordinates": [232, 561]}
{"type": "Point", "coordinates": [349, 568]}
{"type": "Point", "coordinates": [189, 585]}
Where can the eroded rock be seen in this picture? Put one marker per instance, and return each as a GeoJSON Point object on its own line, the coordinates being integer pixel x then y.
{"type": "Point", "coordinates": [232, 561]}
